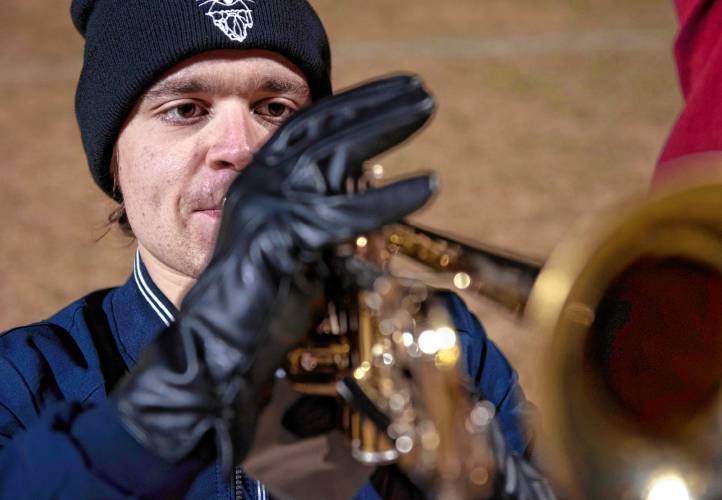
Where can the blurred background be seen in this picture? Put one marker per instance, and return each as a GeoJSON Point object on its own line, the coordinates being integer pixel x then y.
{"type": "Point", "coordinates": [548, 110]}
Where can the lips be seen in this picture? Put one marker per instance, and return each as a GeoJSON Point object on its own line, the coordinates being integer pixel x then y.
{"type": "Point", "coordinates": [213, 210]}
{"type": "Point", "coordinates": [209, 205]}
{"type": "Point", "coordinates": [209, 196]}
{"type": "Point", "coordinates": [214, 213]}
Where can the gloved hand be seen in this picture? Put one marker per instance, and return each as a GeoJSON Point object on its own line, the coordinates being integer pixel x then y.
{"type": "Point", "coordinates": [253, 302]}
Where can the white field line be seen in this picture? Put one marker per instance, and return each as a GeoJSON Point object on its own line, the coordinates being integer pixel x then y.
{"type": "Point", "coordinates": [544, 43]}
{"type": "Point", "coordinates": [428, 47]}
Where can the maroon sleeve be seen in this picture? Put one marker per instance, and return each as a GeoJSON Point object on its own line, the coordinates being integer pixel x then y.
{"type": "Point", "coordinates": [698, 55]}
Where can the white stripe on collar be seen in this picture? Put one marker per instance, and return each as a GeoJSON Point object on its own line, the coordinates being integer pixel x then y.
{"type": "Point", "coordinates": [260, 491]}
{"type": "Point", "coordinates": [162, 311]}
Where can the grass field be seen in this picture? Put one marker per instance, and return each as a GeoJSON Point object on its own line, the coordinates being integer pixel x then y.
{"type": "Point", "coordinates": [548, 110]}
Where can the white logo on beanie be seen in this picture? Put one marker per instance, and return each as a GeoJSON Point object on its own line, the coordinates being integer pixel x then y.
{"type": "Point", "coordinates": [232, 17]}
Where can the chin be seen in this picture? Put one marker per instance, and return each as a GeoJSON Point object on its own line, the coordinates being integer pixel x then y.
{"type": "Point", "coordinates": [200, 251]}
{"type": "Point", "coordinates": [190, 258]}
{"type": "Point", "coordinates": [199, 263]}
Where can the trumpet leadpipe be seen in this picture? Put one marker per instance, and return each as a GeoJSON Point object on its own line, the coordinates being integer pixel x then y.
{"type": "Point", "coordinates": [498, 275]}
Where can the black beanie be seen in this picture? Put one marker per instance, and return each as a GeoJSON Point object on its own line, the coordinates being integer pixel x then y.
{"type": "Point", "coordinates": [131, 43]}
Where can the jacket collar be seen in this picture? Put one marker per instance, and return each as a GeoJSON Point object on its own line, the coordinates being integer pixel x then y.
{"type": "Point", "coordinates": [138, 312]}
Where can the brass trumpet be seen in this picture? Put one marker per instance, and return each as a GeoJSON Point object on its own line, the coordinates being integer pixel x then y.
{"type": "Point", "coordinates": [632, 305]}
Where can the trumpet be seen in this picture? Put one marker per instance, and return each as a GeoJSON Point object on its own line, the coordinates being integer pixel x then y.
{"type": "Point", "coordinates": [630, 302]}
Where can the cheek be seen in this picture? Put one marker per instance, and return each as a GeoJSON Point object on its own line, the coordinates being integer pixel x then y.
{"type": "Point", "coordinates": [146, 178]}
{"type": "Point", "coordinates": [157, 170]}
{"type": "Point", "coordinates": [136, 178]}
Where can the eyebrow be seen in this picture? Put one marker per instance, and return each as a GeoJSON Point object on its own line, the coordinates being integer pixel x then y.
{"type": "Point", "coordinates": [283, 86]}
{"type": "Point", "coordinates": [179, 87]}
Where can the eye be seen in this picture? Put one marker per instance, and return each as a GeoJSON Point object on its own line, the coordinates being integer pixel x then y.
{"type": "Point", "coordinates": [275, 111]}
{"type": "Point", "coordinates": [183, 112]}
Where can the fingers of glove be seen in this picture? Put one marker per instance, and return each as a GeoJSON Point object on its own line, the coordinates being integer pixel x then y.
{"type": "Point", "coordinates": [335, 219]}
{"type": "Point", "coordinates": [332, 113]}
{"type": "Point", "coordinates": [395, 107]}
{"type": "Point", "coordinates": [340, 153]}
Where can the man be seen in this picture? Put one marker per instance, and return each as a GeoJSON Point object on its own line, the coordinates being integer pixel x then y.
{"type": "Point", "coordinates": [174, 101]}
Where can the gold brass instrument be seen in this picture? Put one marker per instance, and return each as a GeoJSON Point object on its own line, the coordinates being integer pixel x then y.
{"type": "Point", "coordinates": [632, 305]}
{"type": "Point", "coordinates": [393, 345]}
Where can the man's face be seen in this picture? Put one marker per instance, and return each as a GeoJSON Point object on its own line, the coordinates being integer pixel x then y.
{"type": "Point", "coordinates": [189, 136]}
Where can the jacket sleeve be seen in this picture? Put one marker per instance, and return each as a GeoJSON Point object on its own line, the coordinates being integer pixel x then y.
{"type": "Point", "coordinates": [52, 447]}
{"type": "Point", "coordinates": [496, 381]}
{"type": "Point", "coordinates": [698, 57]}
{"type": "Point", "coordinates": [493, 376]}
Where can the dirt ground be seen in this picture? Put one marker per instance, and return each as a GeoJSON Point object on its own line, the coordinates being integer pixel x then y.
{"type": "Point", "coordinates": [548, 110]}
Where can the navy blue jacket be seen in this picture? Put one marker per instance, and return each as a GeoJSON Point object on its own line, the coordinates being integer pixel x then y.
{"type": "Point", "coordinates": [61, 438]}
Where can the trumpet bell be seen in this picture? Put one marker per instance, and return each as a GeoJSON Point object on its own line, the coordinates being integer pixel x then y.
{"type": "Point", "coordinates": [632, 305]}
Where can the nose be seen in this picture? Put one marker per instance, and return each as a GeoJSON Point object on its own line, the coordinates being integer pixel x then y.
{"type": "Point", "coordinates": [233, 138]}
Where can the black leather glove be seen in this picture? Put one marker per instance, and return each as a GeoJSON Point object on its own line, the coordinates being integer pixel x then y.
{"type": "Point", "coordinates": [253, 302]}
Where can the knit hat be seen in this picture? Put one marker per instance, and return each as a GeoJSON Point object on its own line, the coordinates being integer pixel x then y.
{"type": "Point", "coordinates": [131, 43]}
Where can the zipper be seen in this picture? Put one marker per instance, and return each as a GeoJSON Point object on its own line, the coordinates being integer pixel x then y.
{"type": "Point", "coordinates": [241, 481]}
{"type": "Point", "coordinates": [238, 477]}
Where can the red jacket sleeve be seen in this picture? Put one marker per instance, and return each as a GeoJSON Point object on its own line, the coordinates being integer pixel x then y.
{"type": "Point", "coordinates": [698, 55]}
